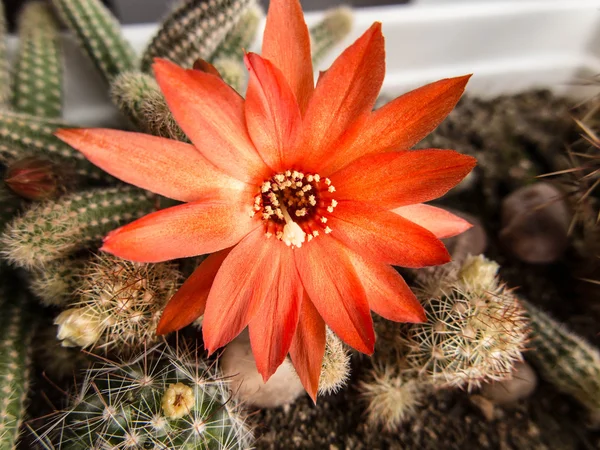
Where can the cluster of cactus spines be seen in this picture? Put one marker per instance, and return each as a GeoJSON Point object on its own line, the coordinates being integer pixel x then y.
{"type": "Point", "coordinates": [476, 329]}
{"type": "Point", "coordinates": [16, 333]}
{"type": "Point", "coordinates": [391, 397]}
{"type": "Point", "coordinates": [99, 34]}
{"type": "Point", "coordinates": [5, 88]}
{"type": "Point", "coordinates": [335, 368]}
{"type": "Point", "coordinates": [57, 282]}
{"type": "Point", "coordinates": [564, 359]}
{"type": "Point", "coordinates": [164, 398]}
{"type": "Point", "coordinates": [119, 304]}
{"type": "Point", "coordinates": [193, 30]}
{"type": "Point", "coordinates": [24, 135]}
{"type": "Point", "coordinates": [329, 32]}
{"type": "Point", "coordinates": [241, 36]}
{"type": "Point", "coordinates": [56, 229]}
{"type": "Point", "coordinates": [37, 76]}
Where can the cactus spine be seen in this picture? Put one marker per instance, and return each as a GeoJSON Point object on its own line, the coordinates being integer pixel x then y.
{"type": "Point", "coordinates": [328, 33]}
{"type": "Point", "coordinates": [567, 361]}
{"type": "Point", "coordinates": [5, 91]}
{"type": "Point", "coordinates": [335, 368]}
{"type": "Point", "coordinates": [16, 333]}
{"type": "Point", "coordinates": [56, 229]}
{"type": "Point", "coordinates": [56, 284]}
{"type": "Point", "coordinates": [99, 35]}
{"type": "Point", "coordinates": [38, 70]}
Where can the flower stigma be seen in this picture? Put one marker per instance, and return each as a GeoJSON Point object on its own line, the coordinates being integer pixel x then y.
{"type": "Point", "coordinates": [294, 206]}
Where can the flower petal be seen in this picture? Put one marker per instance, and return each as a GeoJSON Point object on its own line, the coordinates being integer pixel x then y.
{"type": "Point", "coordinates": [395, 179]}
{"type": "Point", "coordinates": [286, 43]}
{"type": "Point", "coordinates": [274, 325]}
{"type": "Point", "coordinates": [398, 125]}
{"type": "Point", "coordinates": [385, 236]}
{"type": "Point", "coordinates": [246, 278]}
{"type": "Point", "coordinates": [185, 230]}
{"type": "Point", "coordinates": [308, 347]}
{"type": "Point", "coordinates": [211, 114]}
{"type": "Point", "coordinates": [344, 93]}
{"type": "Point", "coordinates": [336, 291]}
{"type": "Point", "coordinates": [164, 166]}
{"type": "Point", "coordinates": [440, 222]}
{"type": "Point", "coordinates": [387, 292]}
{"type": "Point", "coordinates": [189, 301]}
{"type": "Point", "coordinates": [272, 113]}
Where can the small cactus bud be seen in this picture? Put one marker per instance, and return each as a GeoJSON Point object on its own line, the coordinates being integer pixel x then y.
{"type": "Point", "coordinates": [178, 401]}
{"type": "Point", "coordinates": [34, 178]}
{"type": "Point", "coordinates": [77, 327]}
{"type": "Point", "coordinates": [478, 273]}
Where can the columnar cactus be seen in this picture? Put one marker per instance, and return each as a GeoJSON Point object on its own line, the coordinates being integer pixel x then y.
{"type": "Point", "coordinates": [5, 91]}
{"type": "Point", "coordinates": [335, 368]}
{"type": "Point", "coordinates": [17, 328]}
{"type": "Point", "coordinates": [165, 398]}
{"type": "Point", "coordinates": [241, 36]}
{"type": "Point", "coordinates": [99, 35]}
{"type": "Point", "coordinates": [37, 78]}
{"type": "Point", "coordinates": [56, 229]}
{"type": "Point", "coordinates": [194, 30]}
{"type": "Point", "coordinates": [328, 33]}
{"type": "Point", "coordinates": [565, 360]}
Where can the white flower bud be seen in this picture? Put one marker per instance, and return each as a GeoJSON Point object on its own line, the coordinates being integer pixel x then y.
{"type": "Point", "coordinates": [78, 328]}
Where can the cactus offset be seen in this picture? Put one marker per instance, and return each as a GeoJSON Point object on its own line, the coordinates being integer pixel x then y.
{"type": "Point", "coordinates": [165, 398]}
{"type": "Point", "coordinates": [335, 368]}
{"type": "Point", "coordinates": [193, 31]}
{"type": "Point", "coordinates": [329, 32]}
{"type": "Point", "coordinates": [99, 35]}
{"type": "Point", "coordinates": [56, 283]}
{"type": "Point", "coordinates": [55, 229]}
{"type": "Point", "coordinates": [567, 361]}
{"type": "Point", "coordinates": [37, 87]}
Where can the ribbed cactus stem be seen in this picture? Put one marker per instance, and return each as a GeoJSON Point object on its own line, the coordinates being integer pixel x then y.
{"type": "Point", "coordinates": [99, 35]}
{"type": "Point", "coordinates": [23, 135]}
{"type": "Point", "coordinates": [329, 32]}
{"type": "Point", "coordinates": [193, 31]}
{"type": "Point", "coordinates": [17, 328]}
{"type": "Point", "coordinates": [5, 88]}
{"type": "Point", "coordinates": [56, 284]}
{"type": "Point", "coordinates": [564, 359]}
{"type": "Point", "coordinates": [37, 83]}
{"type": "Point", "coordinates": [140, 99]}
{"type": "Point", "coordinates": [55, 229]}
{"type": "Point", "coordinates": [241, 36]}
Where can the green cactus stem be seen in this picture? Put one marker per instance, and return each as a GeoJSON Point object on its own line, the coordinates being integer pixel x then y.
{"type": "Point", "coordinates": [232, 71]}
{"type": "Point", "coordinates": [23, 135]}
{"type": "Point", "coordinates": [17, 328]}
{"type": "Point", "coordinates": [55, 229]}
{"type": "Point", "coordinates": [329, 32]}
{"type": "Point", "coordinates": [564, 359]}
{"type": "Point", "coordinates": [241, 36]}
{"type": "Point", "coordinates": [5, 88]}
{"type": "Point", "coordinates": [99, 35]}
{"type": "Point", "coordinates": [193, 31]}
{"type": "Point", "coordinates": [37, 83]}
{"type": "Point", "coordinates": [57, 283]}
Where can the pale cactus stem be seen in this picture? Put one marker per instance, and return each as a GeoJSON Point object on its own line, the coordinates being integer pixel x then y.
{"type": "Point", "coordinates": [37, 78]}
{"type": "Point", "coordinates": [335, 368]}
{"type": "Point", "coordinates": [241, 36]}
{"type": "Point", "coordinates": [99, 35]}
{"type": "Point", "coordinates": [329, 32]}
{"type": "Point", "coordinates": [17, 327]}
{"type": "Point", "coordinates": [194, 30]}
{"type": "Point", "coordinates": [56, 284]}
{"type": "Point", "coordinates": [24, 135]}
{"type": "Point", "coordinates": [5, 88]}
{"type": "Point", "coordinates": [564, 359]}
{"type": "Point", "coordinates": [56, 229]}
{"type": "Point", "coordinates": [232, 71]}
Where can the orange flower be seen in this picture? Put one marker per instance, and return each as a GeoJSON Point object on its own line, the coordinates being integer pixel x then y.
{"type": "Point", "coordinates": [303, 195]}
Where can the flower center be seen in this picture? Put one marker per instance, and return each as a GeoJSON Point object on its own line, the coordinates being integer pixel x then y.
{"type": "Point", "coordinates": [294, 206]}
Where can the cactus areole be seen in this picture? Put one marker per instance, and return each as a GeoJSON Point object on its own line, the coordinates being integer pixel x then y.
{"type": "Point", "coordinates": [304, 196]}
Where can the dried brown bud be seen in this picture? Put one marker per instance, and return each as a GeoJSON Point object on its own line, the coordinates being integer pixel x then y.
{"type": "Point", "coordinates": [35, 178]}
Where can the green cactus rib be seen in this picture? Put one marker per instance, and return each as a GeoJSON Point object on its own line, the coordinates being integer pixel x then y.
{"type": "Point", "coordinates": [564, 359]}
{"type": "Point", "coordinates": [5, 91]}
{"type": "Point", "coordinates": [194, 30]}
{"type": "Point", "coordinates": [55, 229]}
{"type": "Point", "coordinates": [329, 32]}
{"type": "Point", "coordinates": [16, 332]}
{"type": "Point", "coordinates": [241, 35]}
{"type": "Point", "coordinates": [23, 135]}
{"type": "Point", "coordinates": [37, 83]}
{"type": "Point", "coordinates": [99, 35]}
{"type": "Point", "coordinates": [57, 283]}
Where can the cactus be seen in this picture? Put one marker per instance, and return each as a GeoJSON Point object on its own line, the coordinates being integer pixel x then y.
{"type": "Point", "coordinates": [23, 135]}
{"type": "Point", "coordinates": [57, 283]}
{"type": "Point", "coordinates": [335, 368]}
{"type": "Point", "coordinates": [165, 398]}
{"type": "Point", "coordinates": [193, 31]}
{"type": "Point", "coordinates": [564, 359]}
{"type": "Point", "coordinates": [5, 91]}
{"type": "Point", "coordinates": [17, 328]}
{"type": "Point", "coordinates": [329, 32]}
{"type": "Point", "coordinates": [120, 301]}
{"type": "Point", "coordinates": [37, 87]}
{"type": "Point", "coordinates": [99, 35]}
{"type": "Point", "coordinates": [55, 229]}
{"type": "Point", "coordinates": [475, 330]}
{"type": "Point", "coordinates": [241, 36]}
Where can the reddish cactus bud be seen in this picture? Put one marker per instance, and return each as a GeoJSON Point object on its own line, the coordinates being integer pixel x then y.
{"type": "Point", "coordinates": [34, 178]}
